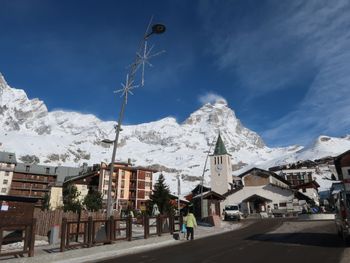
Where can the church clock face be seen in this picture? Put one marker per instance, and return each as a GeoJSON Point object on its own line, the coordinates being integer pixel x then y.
{"type": "Point", "coordinates": [218, 168]}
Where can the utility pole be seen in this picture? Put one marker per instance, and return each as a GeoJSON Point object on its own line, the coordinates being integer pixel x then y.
{"type": "Point", "coordinates": [178, 193]}
{"type": "Point", "coordinates": [143, 56]}
{"type": "Point", "coordinates": [204, 170]}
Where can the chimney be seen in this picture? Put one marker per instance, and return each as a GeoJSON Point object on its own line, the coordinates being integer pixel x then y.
{"type": "Point", "coordinates": [85, 165]}
{"type": "Point", "coordinates": [129, 162]}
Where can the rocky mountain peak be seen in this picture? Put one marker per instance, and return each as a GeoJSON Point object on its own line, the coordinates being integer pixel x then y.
{"type": "Point", "coordinates": [214, 115]}
{"type": "Point", "coordinates": [3, 86]}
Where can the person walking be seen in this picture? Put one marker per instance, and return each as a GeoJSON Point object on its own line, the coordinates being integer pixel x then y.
{"type": "Point", "coordinates": [191, 223]}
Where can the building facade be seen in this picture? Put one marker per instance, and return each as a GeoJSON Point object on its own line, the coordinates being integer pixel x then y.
{"type": "Point", "coordinates": [7, 167]}
{"type": "Point", "coordinates": [263, 192]}
{"type": "Point", "coordinates": [303, 180]}
{"type": "Point", "coordinates": [131, 185]}
{"type": "Point", "coordinates": [31, 180]}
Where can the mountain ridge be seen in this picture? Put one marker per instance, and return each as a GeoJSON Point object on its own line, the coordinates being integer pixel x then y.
{"type": "Point", "coordinates": [71, 138]}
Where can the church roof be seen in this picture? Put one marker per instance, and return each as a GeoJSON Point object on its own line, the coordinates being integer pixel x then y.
{"type": "Point", "coordinates": [220, 148]}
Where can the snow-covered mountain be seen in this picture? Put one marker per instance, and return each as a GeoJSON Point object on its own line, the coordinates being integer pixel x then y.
{"type": "Point", "coordinates": [70, 138]}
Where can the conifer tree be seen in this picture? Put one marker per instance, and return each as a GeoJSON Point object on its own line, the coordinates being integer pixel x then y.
{"type": "Point", "coordinates": [161, 197]}
{"type": "Point", "coordinates": [93, 200]}
{"type": "Point", "coordinates": [71, 200]}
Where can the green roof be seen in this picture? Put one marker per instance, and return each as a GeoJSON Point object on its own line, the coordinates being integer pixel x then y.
{"type": "Point", "coordinates": [220, 147]}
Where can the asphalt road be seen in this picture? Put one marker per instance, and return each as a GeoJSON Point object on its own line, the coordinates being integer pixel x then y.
{"type": "Point", "coordinates": [251, 244]}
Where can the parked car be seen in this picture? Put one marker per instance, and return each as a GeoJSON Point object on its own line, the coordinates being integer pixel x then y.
{"type": "Point", "coordinates": [342, 215]}
{"type": "Point", "coordinates": [231, 212]}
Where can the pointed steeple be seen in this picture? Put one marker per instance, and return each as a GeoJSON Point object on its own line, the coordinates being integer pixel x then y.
{"type": "Point", "coordinates": [220, 148]}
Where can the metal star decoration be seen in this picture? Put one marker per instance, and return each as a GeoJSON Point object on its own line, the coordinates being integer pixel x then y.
{"type": "Point", "coordinates": [143, 59]}
{"type": "Point", "coordinates": [127, 87]}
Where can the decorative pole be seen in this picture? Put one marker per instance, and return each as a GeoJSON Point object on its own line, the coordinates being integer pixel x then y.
{"type": "Point", "coordinates": [143, 56]}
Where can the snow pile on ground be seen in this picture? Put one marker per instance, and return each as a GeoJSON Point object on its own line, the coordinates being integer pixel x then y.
{"type": "Point", "coordinates": [19, 245]}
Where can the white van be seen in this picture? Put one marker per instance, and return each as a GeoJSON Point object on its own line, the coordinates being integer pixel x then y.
{"type": "Point", "coordinates": [231, 212]}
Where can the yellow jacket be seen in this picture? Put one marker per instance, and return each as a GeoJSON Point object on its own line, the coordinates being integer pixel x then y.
{"type": "Point", "coordinates": [190, 220]}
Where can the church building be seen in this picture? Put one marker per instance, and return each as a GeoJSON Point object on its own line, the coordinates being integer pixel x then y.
{"type": "Point", "coordinates": [260, 192]}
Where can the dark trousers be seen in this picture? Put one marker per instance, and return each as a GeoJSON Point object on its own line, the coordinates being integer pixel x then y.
{"type": "Point", "coordinates": [189, 232]}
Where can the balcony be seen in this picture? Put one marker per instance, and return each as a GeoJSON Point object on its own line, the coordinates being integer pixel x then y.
{"type": "Point", "coordinates": [5, 168]}
{"type": "Point", "coordinates": [26, 188]}
{"type": "Point", "coordinates": [40, 181]}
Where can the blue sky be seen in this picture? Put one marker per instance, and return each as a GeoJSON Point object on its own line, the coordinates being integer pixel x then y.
{"type": "Point", "coordinates": [282, 66]}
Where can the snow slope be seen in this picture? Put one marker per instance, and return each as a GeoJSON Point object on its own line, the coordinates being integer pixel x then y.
{"type": "Point", "coordinates": [70, 138]}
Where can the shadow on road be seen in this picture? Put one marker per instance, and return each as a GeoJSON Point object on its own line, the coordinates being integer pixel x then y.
{"type": "Point", "coordinates": [308, 239]}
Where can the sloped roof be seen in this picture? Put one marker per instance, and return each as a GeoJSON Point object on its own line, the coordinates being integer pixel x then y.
{"type": "Point", "coordinates": [255, 197]}
{"type": "Point", "coordinates": [312, 184]}
{"type": "Point", "coordinates": [35, 169]}
{"type": "Point", "coordinates": [261, 172]}
{"type": "Point", "coordinates": [220, 148]}
{"type": "Point", "coordinates": [232, 191]}
{"type": "Point", "coordinates": [7, 157]}
{"type": "Point", "coordinates": [211, 194]}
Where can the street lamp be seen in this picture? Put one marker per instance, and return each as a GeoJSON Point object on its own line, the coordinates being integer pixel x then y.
{"type": "Point", "coordinates": [142, 58]}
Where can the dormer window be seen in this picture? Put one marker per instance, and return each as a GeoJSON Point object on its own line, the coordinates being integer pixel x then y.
{"type": "Point", "coordinates": [27, 168]}
{"type": "Point", "coordinates": [47, 170]}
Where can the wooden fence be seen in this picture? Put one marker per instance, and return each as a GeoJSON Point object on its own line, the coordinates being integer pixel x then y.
{"type": "Point", "coordinates": [90, 232]}
{"type": "Point", "coordinates": [48, 219]}
{"type": "Point", "coordinates": [26, 235]}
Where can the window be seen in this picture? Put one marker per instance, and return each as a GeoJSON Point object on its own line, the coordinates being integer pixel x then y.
{"type": "Point", "coordinates": [214, 160]}
{"type": "Point", "coordinates": [304, 190]}
{"type": "Point", "coordinates": [3, 190]}
{"type": "Point", "coordinates": [7, 173]}
{"type": "Point", "coordinates": [27, 168]}
{"type": "Point", "coordinates": [5, 181]}
{"type": "Point", "coordinates": [348, 171]}
{"type": "Point", "coordinates": [8, 165]}
{"type": "Point", "coordinates": [220, 159]}
{"type": "Point", "coordinates": [283, 204]}
{"type": "Point", "coordinates": [122, 193]}
{"type": "Point", "coordinates": [47, 170]}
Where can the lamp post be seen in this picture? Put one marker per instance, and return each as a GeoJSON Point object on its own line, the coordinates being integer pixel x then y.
{"type": "Point", "coordinates": [142, 57]}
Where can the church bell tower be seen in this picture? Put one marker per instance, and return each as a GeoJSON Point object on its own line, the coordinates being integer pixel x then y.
{"type": "Point", "coordinates": [220, 168]}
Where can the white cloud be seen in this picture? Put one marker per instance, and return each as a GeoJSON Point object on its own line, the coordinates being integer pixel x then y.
{"type": "Point", "coordinates": [290, 41]}
{"type": "Point", "coordinates": [210, 97]}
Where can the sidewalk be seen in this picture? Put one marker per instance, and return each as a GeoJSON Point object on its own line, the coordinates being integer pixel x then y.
{"type": "Point", "coordinates": [47, 254]}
